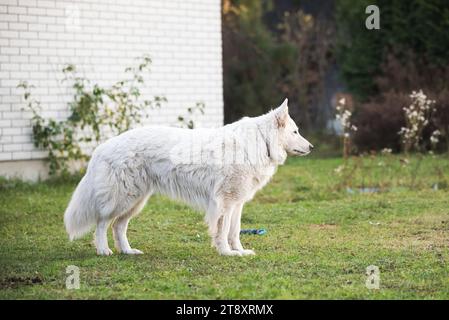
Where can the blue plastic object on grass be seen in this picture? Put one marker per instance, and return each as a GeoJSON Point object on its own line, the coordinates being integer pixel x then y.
{"type": "Point", "coordinates": [253, 231]}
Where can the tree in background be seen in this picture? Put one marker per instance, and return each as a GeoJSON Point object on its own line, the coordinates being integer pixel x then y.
{"type": "Point", "coordinates": [312, 40]}
{"type": "Point", "coordinates": [264, 63]}
{"type": "Point", "coordinates": [253, 61]}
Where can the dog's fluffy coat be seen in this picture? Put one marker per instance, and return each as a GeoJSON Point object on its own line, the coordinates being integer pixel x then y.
{"type": "Point", "coordinates": [214, 170]}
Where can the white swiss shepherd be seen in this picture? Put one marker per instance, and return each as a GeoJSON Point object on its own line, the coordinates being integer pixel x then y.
{"type": "Point", "coordinates": [215, 170]}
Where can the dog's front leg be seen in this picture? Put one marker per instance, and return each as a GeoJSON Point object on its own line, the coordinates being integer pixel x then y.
{"type": "Point", "coordinates": [234, 232]}
{"type": "Point", "coordinates": [220, 240]}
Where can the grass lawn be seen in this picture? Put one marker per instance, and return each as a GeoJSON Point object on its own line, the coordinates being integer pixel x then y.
{"type": "Point", "coordinates": [320, 238]}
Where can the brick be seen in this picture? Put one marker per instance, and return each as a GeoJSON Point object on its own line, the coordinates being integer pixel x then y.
{"type": "Point", "coordinates": [11, 131]}
{"type": "Point", "coordinates": [12, 147]}
{"type": "Point", "coordinates": [46, 4]}
{"type": "Point", "coordinates": [17, 10]}
{"type": "Point", "coordinates": [5, 123]}
{"type": "Point", "coordinates": [5, 139]}
{"type": "Point", "coordinates": [5, 156]}
{"type": "Point", "coordinates": [4, 42]}
{"type": "Point", "coordinates": [18, 26]}
{"type": "Point", "coordinates": [28, 35]}
{"type": "Point", "coordinates": [46, 19]}
{"type": "Point", "coordinates": [18, 43]}
{"type": "Point", "coordinates": [37, 27]}
{"type": "Point", "coordinates": [21, 139]}
{"type": "Point", "coordinates": [56, 28]}
{"type": "Point", "coordinates": [9, 34]}
{"type": "Point", "coordinates": [20, 123]}
{"type": "Point", "coordinates": [55, 12]}
{"type": "Point", "coordinates": [9, 2]}
{"type": "Point", "coordinates": [28, 51]}
{"type": "Point", "coordinates": [10, 99]}
{"type": "Point", "coordinates": [38, 59]}
{"type": "Point", "coordinates": [39, 154]}
{"type": "Point", "coordinates": [47, 35]}
{"type": "Point", "coordinates": [9, 50]}
{"type": "Point", "coordinates": [28, 18]}
{"type": "Point", "coordinates": [4, 106]}
{"type": "Point", "coordinates": [36, 11]}
{"type": "Point", "coordinates": [8, 17]}
{"type": "Point", "coordinates": [28, 146]}
{"type": "Point", "coordinates": [23, 155]}
{"type": "Point", "coordinates": [28, 3]}
{"type": "Point", "coordinates": [19, 59]}
{"type": "Point", "coordinates": [38, 43]}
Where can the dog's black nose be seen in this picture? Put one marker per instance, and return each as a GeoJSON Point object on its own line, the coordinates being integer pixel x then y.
{"type": "Point", "coordinates": [311, 146]}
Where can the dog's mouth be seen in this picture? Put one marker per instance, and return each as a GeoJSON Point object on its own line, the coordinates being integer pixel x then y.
{"type": "Point", "coordinates": [300, 153]}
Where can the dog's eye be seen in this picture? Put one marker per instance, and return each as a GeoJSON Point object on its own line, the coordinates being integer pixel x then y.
{"type": "Point", "coordinates": [296, 132]}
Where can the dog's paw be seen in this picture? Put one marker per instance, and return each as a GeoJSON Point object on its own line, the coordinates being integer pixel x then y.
{"type": "Point", "coordinates": [132, 251]}
{"type": "Point", "coordinates": [104, 252]}
{"type": "Point", "coordinates": [247, 252]}
{"type": "Point", "coordinates": [230, 253]}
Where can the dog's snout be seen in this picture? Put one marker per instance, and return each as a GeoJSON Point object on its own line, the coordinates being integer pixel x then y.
{"type": "Point", "coordinates": [311, 146]}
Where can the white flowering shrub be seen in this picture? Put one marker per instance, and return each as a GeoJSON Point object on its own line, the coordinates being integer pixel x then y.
{"type": "Point", "coordinates": [435, 138]}
{"type": "Point", "coordinates": [344, 118]}
{"type": "Point", "coordinates": [417, 117]}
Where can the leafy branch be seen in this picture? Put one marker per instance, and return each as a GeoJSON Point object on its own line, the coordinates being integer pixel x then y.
{"type": "Point", "coordinates": [187, 121]}
{"type": "Point", "coordinates": [92, 110]}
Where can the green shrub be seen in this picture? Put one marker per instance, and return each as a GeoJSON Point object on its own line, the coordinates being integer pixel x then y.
{"type": "Point", "coordinates": [416, 25]}
{"type": "Point", "coordinates": [381, 117]}
{"type": "Point", "coordinates": [94, 111]}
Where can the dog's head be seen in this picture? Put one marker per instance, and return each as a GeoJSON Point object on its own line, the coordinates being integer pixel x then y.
{"type": "Point", "coordinates": [288, 133]}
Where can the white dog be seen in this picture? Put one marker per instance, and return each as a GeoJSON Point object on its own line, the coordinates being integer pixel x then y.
{"type": "Point", "coordinates": [215, 170]}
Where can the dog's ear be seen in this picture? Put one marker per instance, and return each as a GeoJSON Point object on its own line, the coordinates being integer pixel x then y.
{"type": "Point", "coordinates": [281, 114]}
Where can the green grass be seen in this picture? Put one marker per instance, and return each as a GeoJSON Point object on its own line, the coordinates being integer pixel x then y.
{"type": "Point", "coordinates": [319, 242]}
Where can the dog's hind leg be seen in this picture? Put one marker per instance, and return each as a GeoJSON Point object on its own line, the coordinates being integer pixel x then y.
{"type": "Point", "coordinates": [211, 218]}
{"type": "Point", "coordinates": [234, 232]}
{"type": "Point", "coordinates": [101, 237]}
{"type": "Point", "coordinates": [120, 227]}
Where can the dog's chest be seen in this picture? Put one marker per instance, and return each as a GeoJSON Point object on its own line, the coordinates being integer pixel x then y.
{"type": "Point", "coordinates": [260, 178]}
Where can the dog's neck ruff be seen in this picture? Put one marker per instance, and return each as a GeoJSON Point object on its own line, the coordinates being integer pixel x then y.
{"type": "Point", "coordinates": [267, 145]}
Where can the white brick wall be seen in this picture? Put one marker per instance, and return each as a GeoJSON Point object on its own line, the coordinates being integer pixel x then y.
{"type": "Point", "coordinates": [102, 37]}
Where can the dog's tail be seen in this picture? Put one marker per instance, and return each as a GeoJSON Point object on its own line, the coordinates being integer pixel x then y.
{"type": "Point", "coordinates": [79, 217]}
